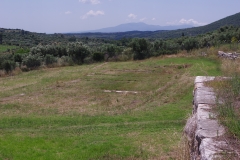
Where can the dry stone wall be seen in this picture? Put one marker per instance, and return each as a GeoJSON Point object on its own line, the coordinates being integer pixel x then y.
{"type": "Point", "coordinates": [203, 129]}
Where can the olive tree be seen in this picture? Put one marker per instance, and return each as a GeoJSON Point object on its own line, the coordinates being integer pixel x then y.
{"type": "Point", "coordinates": [78, 51]}
{"type": "Point", "coordinates": [140, 48]}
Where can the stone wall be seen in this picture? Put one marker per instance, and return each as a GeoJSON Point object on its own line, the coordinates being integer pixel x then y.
{"type": "Point", "coordinates": [203, 130]}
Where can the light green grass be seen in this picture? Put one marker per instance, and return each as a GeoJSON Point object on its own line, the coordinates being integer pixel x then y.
{"type": "Point", "coordinates": [4, 48]}
{"type": "Point", "coordinates": [64, 113]}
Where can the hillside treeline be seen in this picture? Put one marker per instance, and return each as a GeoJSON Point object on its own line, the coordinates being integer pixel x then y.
{"type": "Point", "coordinates": [74, 51]}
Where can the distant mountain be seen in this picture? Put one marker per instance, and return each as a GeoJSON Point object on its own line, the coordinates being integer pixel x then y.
{"type": "Point", "coordinates": [233, 20]}
{"type": "Point", "coordinates": [137, 27]}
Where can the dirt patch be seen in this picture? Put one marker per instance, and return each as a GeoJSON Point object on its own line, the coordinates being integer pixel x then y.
{"type": "Point", "coordinates": [11, 98]}
{"type": "Point", "coordinates": [178, 66]}
{"type": "Point", "coordinates": [124, 92]}
{"type": "Point", "coordinates": [74, 81]}
{"type": "Point", "coordinates": [99, 66]}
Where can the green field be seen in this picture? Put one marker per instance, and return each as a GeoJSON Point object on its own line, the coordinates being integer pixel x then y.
{"type": "Point", "coordinates": [76, 113]}
{"type": "Point", "coordinates": [4, 48]}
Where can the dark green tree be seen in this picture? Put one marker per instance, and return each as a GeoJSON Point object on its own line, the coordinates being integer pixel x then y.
{"type": "Point", "coordinates": [72, 39]}
{"type": "Point", "coordinates": [33, 61]}
{"type": "Point", "coordinates": [190, 44]}
{"type": "Point", "coordinates": [110, 50]}
{"type": "Point", "coordinates": [78, 51]}
{"type": "Point", "coordinates": [8, 65]}
{"type": "Point", "coordinates": [1, 38]}
{"type": "Point", "coordinates": [140, 48]}
{"type": "Point", "coordinates": [50, 59]}
{"type": "Point", "coordinates": [98, 57]}
{"type": "Point", "coordinates": [18, 58]}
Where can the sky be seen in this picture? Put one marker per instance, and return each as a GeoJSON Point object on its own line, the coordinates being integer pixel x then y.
{"type": "Point", "coordinates": [61, 16]}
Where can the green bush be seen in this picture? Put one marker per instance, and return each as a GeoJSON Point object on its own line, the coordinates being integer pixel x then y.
{"type": "Point", "coordinates": [8, 65]}
{"type": "Point", "coordinates": [140, 48]}
{"type": "Point", "coordinates": [50, 59]}
{"type": "Point", "coordinates": [23, 50]}
{"type": "Point", "coordinates": [98, 56]}
{"type": "Point", "coordinates": [33, 61]}
{"type": "Point", "coordinates": [78, 51]}
{"type": "Point", "coordinates": [66, 60]}
{"type": "Point", "coordinates": [5, 57]}
{"type": "Point", "coordinates": [88, 60]}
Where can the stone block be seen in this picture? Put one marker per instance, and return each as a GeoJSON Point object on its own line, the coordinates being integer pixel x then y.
{"type": "Point", "coordinates": [211, 149]}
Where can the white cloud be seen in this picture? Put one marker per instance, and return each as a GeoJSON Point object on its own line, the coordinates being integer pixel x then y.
{"type": "Point", "coordinates": [143, 19]}
{"type": "Point", "coordinates": [92, 13]}
{"type": "Point", "coordinates": [185, 21]}
{"type": "Point", "coordinates": [68, 12]}
{"type": "Point", "coordinates": [153, 19]}
{"type": "Point", "coordinates": [133, 16]}
{"type": "Point", "coordinates": [190, 21]}
{"type": "Point", "coordinates": [90, 1]}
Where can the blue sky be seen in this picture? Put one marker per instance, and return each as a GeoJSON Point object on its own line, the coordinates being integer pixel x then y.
{"type": "Point", "coordinates": [56, 16]}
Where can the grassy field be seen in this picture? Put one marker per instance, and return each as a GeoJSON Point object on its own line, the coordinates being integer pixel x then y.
{"type": "Point", "coordinates": [4, 48]}
{"type": "Point", "coordinates": [78, 112]}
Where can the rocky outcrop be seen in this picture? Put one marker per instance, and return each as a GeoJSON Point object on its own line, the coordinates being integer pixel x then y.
{"type": "Point", "coordinates": [228, 55]}
{"type": "Point", "coordinates": [203, 129]}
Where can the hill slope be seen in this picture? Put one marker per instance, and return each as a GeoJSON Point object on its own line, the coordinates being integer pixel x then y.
{"type": "Point", "coordinates": [233, 20]}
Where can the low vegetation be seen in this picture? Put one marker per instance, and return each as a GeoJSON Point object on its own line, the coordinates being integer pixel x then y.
{"type": "Point", "coordinates": [228, 91]}
{"type": "Point", "coordinates": [109, 110]}
{"type": "Point", "coordinates": [7, 48]}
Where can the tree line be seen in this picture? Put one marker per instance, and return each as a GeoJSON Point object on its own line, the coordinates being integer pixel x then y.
{"type": "Point", "coordinates": [89, 50]}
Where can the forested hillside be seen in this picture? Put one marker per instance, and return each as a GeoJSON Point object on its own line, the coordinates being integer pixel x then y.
{"type": "Point", "coordinates": [19, 37]}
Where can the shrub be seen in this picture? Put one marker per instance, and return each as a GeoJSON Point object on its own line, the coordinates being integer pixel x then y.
{"type": "Point", "coordinates": [140, 48]}
{"type": "Point", "coordinates": [88, 60]}
{"type": "Point", "coordinates": [18, 58]}
{"type": "Point", "coordinates": [98, 57]}
{"type": "Point", "coordinates": [50, 59]}
{"type": "Point", "coordinates": [78, 52]}
{"type": "Point", "coordinates": [65, 61]}
{"type": "Point", "coordinates": [5, 57]}
{"type": "Point", "coordinates": [23, 50]}
{"type": "Point", "coordinates": [8, 65]}
{"type": "Point", "coordinates": [32, 61]}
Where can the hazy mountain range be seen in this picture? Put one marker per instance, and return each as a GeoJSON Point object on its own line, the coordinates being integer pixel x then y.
{"type": "Point", "coordinates": [136, 27]}
{"type": "Point", "coordinates": [232, 20]}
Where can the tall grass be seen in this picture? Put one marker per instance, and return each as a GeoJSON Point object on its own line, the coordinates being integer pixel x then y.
{"type": "Point", "coordinates": [183, 150]}
{"type": "Point", "coordinates": [228, 96]}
